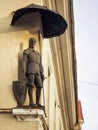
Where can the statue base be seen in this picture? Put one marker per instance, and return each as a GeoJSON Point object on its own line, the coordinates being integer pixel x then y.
{"type": "Point", "coordinates": [28, 114]}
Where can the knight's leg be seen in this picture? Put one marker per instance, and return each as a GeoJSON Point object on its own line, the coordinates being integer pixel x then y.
{"type": "Point", "coordinates": [30, 90]}
{"type": "Point", "coordinates": [38, 94]}
{"type": "Point", "coordinates": [30, 93]}
{"type": "Point", "coordinates": [39, 85]}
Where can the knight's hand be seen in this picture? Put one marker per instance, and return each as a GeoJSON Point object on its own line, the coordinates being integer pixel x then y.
{"type": "Point", "coordinates": [43, 77]}
{"type": "Point", "coordinates": [23, 76]}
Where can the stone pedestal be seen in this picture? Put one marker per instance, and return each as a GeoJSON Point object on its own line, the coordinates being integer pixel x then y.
{"type": "Point", "coordinates": [28, 114]}
{"type": "Point", "coordinates": [31, 115]}
{"type": "Point", "coordinates": [23, 118]}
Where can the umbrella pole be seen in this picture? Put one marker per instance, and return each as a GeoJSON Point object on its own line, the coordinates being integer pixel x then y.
{"type": "Point", "coordinates": [39, 40]}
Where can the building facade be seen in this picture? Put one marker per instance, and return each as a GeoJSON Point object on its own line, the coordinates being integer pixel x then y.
{"type": "Point", "coordinates": [59, 95]}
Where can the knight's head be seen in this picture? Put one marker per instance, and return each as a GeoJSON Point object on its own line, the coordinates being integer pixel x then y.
{"type": "Point", "coordinates": [32, 42]}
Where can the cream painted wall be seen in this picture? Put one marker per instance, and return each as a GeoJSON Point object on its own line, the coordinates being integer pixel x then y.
{"type": "Point", "coordinates": [49, 84]}
{"type": "Point", "coordinates": [8, 122]}
{"type": "Point", "coordinates": [53, 109]}
{"type": "Point", "coordinates": [6, 7]}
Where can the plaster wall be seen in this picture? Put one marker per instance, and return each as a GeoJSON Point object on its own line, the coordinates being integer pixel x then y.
{"type": "Point", "coordinates": [8, 122]}
{"type": "Point", "coordinates": [7, 7]}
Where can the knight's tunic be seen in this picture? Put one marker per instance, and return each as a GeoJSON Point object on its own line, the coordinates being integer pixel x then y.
{"type": "Point", "coordinates": [33, 63]}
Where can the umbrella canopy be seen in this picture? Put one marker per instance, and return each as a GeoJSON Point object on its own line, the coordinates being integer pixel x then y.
{"type": "Point", "coordinates": [40, 18]}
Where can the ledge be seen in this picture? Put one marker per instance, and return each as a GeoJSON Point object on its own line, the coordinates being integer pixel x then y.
{"type": "Point", "coordinates": [28, 114]}
{"type": "Point", "coordinates": [5, 110]}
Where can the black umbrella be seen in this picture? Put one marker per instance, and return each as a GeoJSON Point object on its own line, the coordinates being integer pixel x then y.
{"type": "Point", "coordinates": [40, 18]}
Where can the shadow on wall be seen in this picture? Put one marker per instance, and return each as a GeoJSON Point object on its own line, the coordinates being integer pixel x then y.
{"type": "Point", "coordinates": [20, 61]}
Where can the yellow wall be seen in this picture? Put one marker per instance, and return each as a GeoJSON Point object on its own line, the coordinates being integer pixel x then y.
{"type": "Point", "coordinates": [53, 110]}
{"type": "Point", "coordinates": [6, 7]}
{"type": "Point", "coordinates": [8, 122]}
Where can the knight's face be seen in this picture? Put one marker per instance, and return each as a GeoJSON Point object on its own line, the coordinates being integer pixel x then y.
{"type": "Point", "coordinates": [32, 43]}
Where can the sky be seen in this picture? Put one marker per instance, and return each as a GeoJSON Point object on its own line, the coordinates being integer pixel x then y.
{"type": "Point", "coordinates": [86, 43]}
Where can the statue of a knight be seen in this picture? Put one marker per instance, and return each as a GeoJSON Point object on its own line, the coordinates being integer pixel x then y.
{"type": "Point", "coordinates": [33, 71]}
